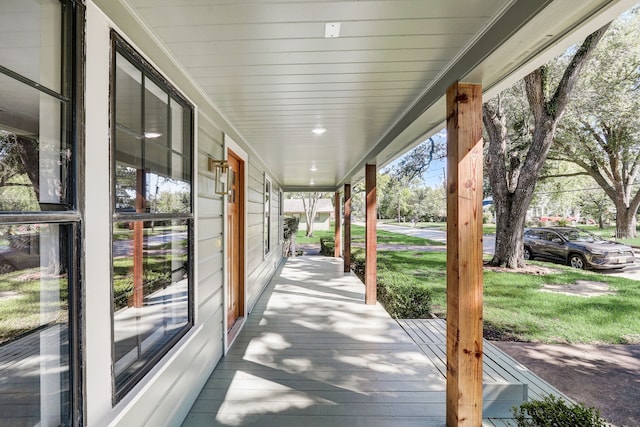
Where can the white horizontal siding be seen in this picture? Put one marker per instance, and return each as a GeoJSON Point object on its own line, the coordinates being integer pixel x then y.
{"type": "Point", "coordinates": [165, 395]}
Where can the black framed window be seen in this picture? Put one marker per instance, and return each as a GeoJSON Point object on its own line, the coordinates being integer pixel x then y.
{"type": "Point", "coordinates": [152, 228]}
{"type": "Point", "coordinates": [40, 225]}
{"type": "Point", "coordinates": [267, 214]}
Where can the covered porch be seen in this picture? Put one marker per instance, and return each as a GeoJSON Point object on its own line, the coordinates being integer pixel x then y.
{"type": "Point", "coordinates": [312, 353]}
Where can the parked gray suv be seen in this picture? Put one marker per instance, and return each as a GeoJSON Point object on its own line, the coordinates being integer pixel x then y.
{"type": "Point", "coordinates": [575, 247]}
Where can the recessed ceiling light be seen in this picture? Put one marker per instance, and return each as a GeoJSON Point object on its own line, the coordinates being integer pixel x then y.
{"type": "Point", "coordinates": [152, 135]}
{"type": "Point", "coordinates": [312, 182]}
{"type": "Point", "coordinates": [319, 131]}
{"type": "Point", "coordinates": [313, 168]}
{"type": "Point", "coordinates": [331, 30]}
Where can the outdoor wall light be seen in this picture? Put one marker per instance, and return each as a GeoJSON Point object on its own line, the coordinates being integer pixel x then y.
{"type": "Point", "coordinates": [220, 169]}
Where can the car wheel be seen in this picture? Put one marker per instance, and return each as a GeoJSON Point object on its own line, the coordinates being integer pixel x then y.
{"type": "Point", "coordinates": [527, 254]}
{"type": "Point", "coordinates": [577, 261]}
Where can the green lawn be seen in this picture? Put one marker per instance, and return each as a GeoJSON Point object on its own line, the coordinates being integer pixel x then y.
{"type": "Point", "coordinates": [514, 308]}
{"type": "Point", "coordinates": [436, 225]}
{"type": "Point", "coordinates": [317, 235]}
{"type": "Point", "coordinates": [609, 233]}
{"type": "Point", "coordinates": [357, 236]}
{"type": "Point", "coordinates": [486, 228]}
{"type": "Point", "coordinates": [21, 307]}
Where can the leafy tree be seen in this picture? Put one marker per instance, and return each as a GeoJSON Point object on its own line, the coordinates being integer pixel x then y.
{"type": "Point", "coordinates": [601, 131]}
{"type": "Point", "coordinates": [384, 194]}
{"type": "Point", "coordinates": [559, 188]}
{"type": "Point", "coordinates": [358, 199]}
{"type": "Point", "coordinates": [393, 197]}
{"type": "Point", "coordinates": [417, 161]}
{"type": "Point", "coordinates": [518, 143]}
{"type": "Point", "coordinates": [125, 187]}
{"type": "Point", "coordinates": [310, 204]}
{"type": "Point", "coordinates": [173, 201]}
{"type": "Point", "coordinates": [594, 202]}
{"type": "Point", "coordinates": [400, 181]}
{"type": "Point", "coordinates": [428, 204]}
{"type": "Point", "coordinates": [19, 171]}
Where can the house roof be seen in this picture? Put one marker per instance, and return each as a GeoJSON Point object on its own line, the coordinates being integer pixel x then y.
{"type": "Point", "coordinates": [269, 75]}
{"type": "Point", "coordinates": [296, 206]}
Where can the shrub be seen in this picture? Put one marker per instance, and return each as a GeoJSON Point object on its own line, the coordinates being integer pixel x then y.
{"type": "Point", "coordinates": [290, 226]}
{"type": "Point", "coordinates": [487, 218]}
{"type": "Point", "coordinates": [358, 261]}
{"type": "Point", "coordinates": [327, 246]}
{"type": "Point", "coordinates": [554, 412]}
{"type": "Point", "coordinates": [403, 296]}
{"type": "Point", "coordinates": [122, 291]}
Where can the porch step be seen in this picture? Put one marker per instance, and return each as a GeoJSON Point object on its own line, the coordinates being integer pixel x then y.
{"type": "Point", "coordinates": [499, 398]}
{"type": "Point", "coordinates": [506, 383]}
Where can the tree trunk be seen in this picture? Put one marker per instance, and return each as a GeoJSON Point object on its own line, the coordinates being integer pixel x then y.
{"type": "Point", "coordinates": [513, 178]}
{"type": "Point", "coordinates": [29, 154]}
{"type": "Point", "coordinates": [625, 222]}
{"type": "Point", "coordinates": [512, 189]}
{"type": "Point", "coordinates": [310, 211]}
{"type": "Point", "coordinates": [509, 234]}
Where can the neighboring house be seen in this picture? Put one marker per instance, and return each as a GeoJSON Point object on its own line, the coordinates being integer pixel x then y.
{"type": "Point", "coordinates": [324, 212]}
{"type": "Point", "coordinates": [130, 256]}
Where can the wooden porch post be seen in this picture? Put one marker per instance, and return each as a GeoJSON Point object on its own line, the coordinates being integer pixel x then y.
{"type": "Point", "coordinates": [464, 255]}
{"type": "Point", "coordinates": [336, 226]}
{"type": "Point", "coordinates": [347, 228]}
{"type": "Point", "coordinates": [138, 241]}
{"type": "Point", "coordinates": [370, 276]}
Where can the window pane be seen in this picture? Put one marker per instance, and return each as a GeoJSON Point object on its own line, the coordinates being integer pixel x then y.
{"type": "Point", "coordinates": [162, 194]}
{"type": "Point", "coordinates": [31, 40]}
{"type": "Point", "coordinates": [34, 313]}
{"type": "Point", "coordinates": [150, 290]}
{"type": "Point", "coordinates": [167, 195]}
{"type": "Point", "coordinates": [267, 216]}
{"type": "Point", "coordinates": [156, 158]}
{"type": "Point", "coordinates": [34, 152]}
{"type": "Point", "coordinates": [177, 127]}
{"type": "Point", "coordinates": [126, 184]}
{"type": "Point", "coordinates": [128, 100]}
{"type": "Point", "coordinates": [151, 258]}
{"type": "Point", "coordinates": [156, 115]}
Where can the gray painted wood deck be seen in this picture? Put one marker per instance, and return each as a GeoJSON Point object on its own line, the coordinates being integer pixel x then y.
{"type": "Point", "coordinates": [311, 353]}
{"type": "Point", "coordinates": [498, 367]}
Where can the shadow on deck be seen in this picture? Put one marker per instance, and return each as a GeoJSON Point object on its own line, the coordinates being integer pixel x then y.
{"type": "Point", "coordinates": [313, 354]}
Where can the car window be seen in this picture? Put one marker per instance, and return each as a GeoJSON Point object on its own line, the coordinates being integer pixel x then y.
{"type": "Point", "coordinates": [535, 234]}
{"type": "Point", "coordinates": [553, 237]}
{"type": "Point", "coordinates": [580, 236]}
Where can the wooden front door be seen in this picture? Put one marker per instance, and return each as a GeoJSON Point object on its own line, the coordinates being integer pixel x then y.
{"type": "Point", "coordinates": [235, 239]}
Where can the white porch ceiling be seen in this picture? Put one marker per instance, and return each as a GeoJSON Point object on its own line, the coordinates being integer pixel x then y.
{"type": "Point", "coordinates": [378, 88]}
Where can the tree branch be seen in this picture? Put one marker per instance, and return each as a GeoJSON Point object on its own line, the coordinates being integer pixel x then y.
{"type": "Point", "coordinates": [562, 175]}
{"type": "Point", "coordinates": [559, 100]}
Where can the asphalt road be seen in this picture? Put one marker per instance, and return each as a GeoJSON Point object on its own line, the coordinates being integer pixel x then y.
{"type": "Point", "coordinates": [488, 240]}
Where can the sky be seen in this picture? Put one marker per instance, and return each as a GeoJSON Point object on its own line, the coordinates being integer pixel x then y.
{"type": "Point", "coordinates": [435, 175]}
